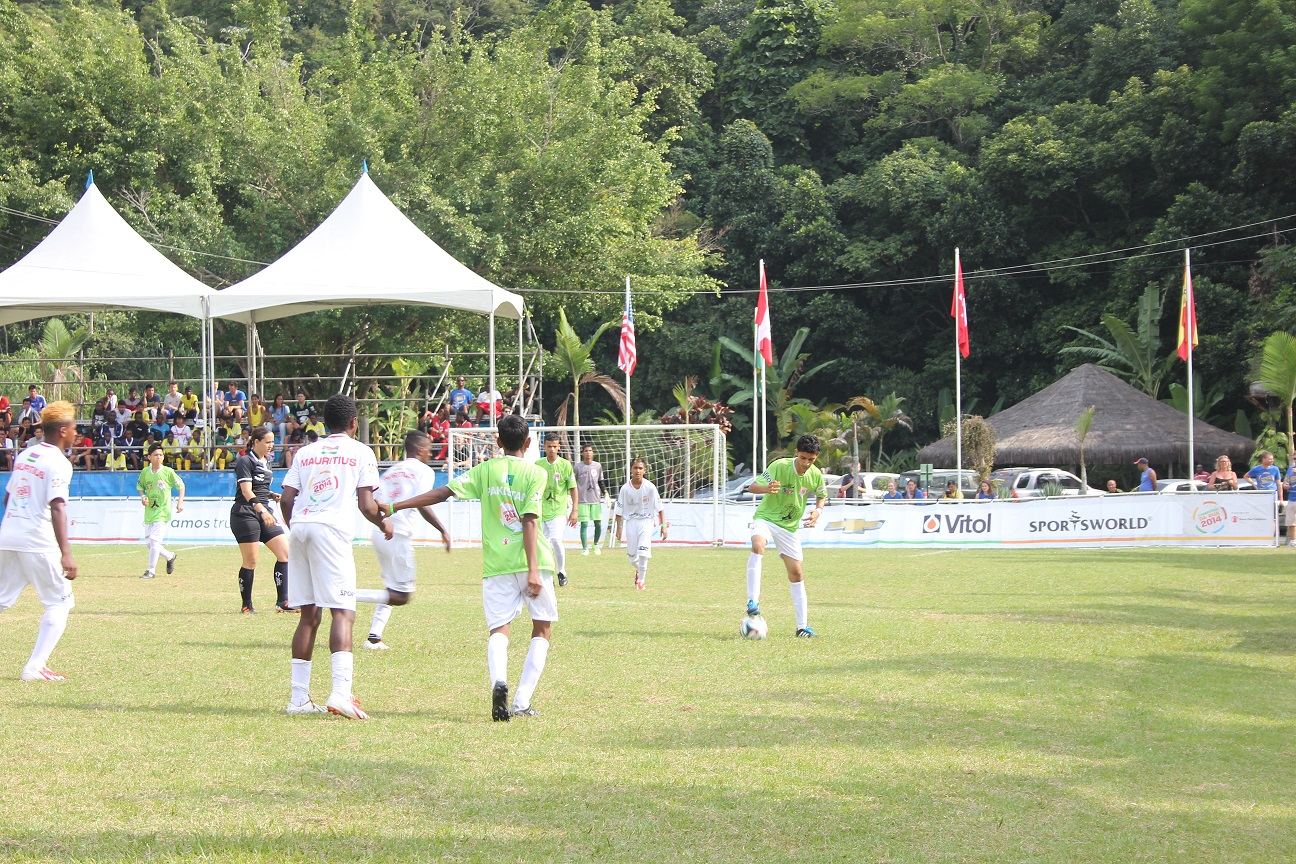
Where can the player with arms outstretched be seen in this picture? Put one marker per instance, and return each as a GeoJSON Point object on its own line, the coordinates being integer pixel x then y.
{"type": "Point", "coordinates": [34, 547]}
{"type": "Point", "coordinates": [331, 477]}
{"type": "Point", "coordinates": [558, 510]}
{"type": "Point", "coordinates": [517, 564]}
{"type": "Point", "coordinates": [785, 484]}
{"type": "Point", "coordinates": [407, 478]}
{"type": "Point", "coordinates": [639, 508]}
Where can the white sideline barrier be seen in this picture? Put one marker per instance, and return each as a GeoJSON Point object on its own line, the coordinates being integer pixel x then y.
{"type": "Point", "coordinates": [1198, 519]}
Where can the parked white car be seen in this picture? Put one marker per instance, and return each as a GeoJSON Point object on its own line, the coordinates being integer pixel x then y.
{"type": "Point", "coordinates": [873, 484]}
{"type": "Point", "coordinates": [1172, 486]}
{"type": "Point", "coordinates": [1028, 482]}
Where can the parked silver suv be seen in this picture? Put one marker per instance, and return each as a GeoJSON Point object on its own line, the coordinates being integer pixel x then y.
{"type": "Point", "coordinates": [1029, 482]}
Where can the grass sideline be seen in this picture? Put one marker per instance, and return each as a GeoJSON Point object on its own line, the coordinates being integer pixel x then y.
{"type": "Point", "coordinates": [974, 706]}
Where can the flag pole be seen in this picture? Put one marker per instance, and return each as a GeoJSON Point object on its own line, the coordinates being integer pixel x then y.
{"type": "Point", "coordinates": [958, 383]}
{"type": "Point", "coordinates": [1190, 313]}
{"type": "Point", "coordinates": [764, 396]}
{"type": "Point", "coordinates": [627, 405]}
{"type": "Point", "coordinates": [756, 414]}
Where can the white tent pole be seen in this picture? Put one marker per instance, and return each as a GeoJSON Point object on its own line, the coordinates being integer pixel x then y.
{"type": "Point", "coordinates": [204, 351]}
{"type": "Point", "coordinates": [521, 371]}
{"type": "Point", "coordinates": [958, 393]}
{"type": "Point", "coordinates": [492, 363]}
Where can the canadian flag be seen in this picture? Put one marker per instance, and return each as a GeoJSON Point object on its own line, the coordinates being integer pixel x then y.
{"type": "Point", "coordinates": [764, 342]}
{"type": "Point", "coordinates": [958, 309]}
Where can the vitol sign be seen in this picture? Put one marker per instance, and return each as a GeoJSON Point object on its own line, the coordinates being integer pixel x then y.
{"type": "Point", "coordinates": [957, 523]}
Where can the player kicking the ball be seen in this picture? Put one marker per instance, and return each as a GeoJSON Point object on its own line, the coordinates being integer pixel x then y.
{"type": "Point", "coordinates": [558, 510]}
{"type": "Point", "coordinates": [517, 564]}
{"type": "Point", "coordinates": [34, 546]}
{"type": "Point", "coordinates": [785, 485]}
{"type": "Point", "coordinates": [330, 476]}
{"type": "Point", "coordinates": [407, 478]}
{"type": "Point", "coordinates": [640, 507]}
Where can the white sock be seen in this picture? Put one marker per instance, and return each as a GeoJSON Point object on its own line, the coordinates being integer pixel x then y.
{"type": "Point", "coordinates": [378, 595]}
{"type": "Point", "coordinates": [301, 672]}
{"type": "Point", "coordinates": [165, 552]}
{"type": "Point", "coordinates": [497, 657]}
{"type": "Point", "coordinates": [799, 604]}
{"type": "Point", "coordinates": [342, 664]}
{"type": "Point", "coordinates": [52, 625]}
{"type": "Point", "coordinates": [641, 569]}
{"type": "Point", "coordinates": [753, 577]}
{"type": "Point", "coordinates": [560, 553]}
{"type": "Point", "coordinates": [531, 669]}
{"type": "Point", "coordinates": [382, 613]}
{"type": "Point", "coordinates": [153, 550]}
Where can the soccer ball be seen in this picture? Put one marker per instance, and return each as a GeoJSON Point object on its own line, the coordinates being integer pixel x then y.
{"type": "Point", "coordinates": [753, 628]}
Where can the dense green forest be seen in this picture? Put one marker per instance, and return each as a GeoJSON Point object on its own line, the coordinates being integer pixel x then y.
{"type": "Point", "coordinates": [557, 147]}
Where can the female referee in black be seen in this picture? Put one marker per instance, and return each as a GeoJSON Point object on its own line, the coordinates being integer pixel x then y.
{"type": "Point", "coordinates": [253, 523]}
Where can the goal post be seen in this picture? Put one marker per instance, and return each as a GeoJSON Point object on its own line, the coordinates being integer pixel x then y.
{"type": "Point", "coordinates": [686, 462]}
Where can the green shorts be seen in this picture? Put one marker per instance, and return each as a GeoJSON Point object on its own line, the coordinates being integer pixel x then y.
{"type": "Point", "coordinates": [589, 512]}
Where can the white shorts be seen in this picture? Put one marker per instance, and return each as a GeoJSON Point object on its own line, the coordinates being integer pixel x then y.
{"type": "Point", "coordinates": [786, 542]}
{"type": "Point", "coordinates": [1290, 511]}
{"type": "Point", "coordinates": [41, 570]}
{"type": "Point", "coordinates": [554, 529]}
{"type": "Point", "coordinates": [155, 532]}
{"type": "Point", "coordinates": [504, 596]}
{"type": "Point", "coordinates": [323, 569]}
{"type": "Point", "coordinates": [395, 561]}
{"type": "Point", "coordinates": [638, 538]}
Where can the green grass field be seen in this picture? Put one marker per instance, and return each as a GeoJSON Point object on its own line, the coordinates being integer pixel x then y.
{"type": "Point", "coordinates": [1042, 706]}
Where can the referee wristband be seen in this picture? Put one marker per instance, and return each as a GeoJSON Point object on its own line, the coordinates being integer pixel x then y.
{"type": "Point", "coordinates": [391, 508]}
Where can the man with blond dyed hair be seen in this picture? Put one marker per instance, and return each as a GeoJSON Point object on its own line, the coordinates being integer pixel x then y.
{"type": "Point", "coordinates": [34, 547]}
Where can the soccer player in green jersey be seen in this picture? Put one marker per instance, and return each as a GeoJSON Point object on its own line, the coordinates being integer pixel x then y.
{"type": "Point", "coordinates": [518, 568]}
{"type": "Point", "coordinates": [558, 509]}
{"type": "Point", "coordinates": [785, 485]}
{"type": "Point", "coordinates": [155, 483]}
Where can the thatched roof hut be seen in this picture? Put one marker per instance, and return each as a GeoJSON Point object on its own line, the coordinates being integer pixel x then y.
{"type": "Point", "coordinates": [1040, 430]}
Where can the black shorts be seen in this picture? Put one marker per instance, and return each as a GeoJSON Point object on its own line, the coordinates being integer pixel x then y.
{"type": "Point", "coordinates": [248, 527]}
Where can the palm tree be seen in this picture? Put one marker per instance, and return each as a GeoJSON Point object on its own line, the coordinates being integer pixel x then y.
{"type": "Point", "coordinates": [884, 416]}
{"type": "Point", "coordinates": [574, 356]}
{"type": "Point", "coordinates": [1082, 426]}
{"type": "Point", "coordinates": [782, 379]}
{"type": "Point", "coordinates": [59, 349]}
{"type": "Point", "coordinates": [1134, 356]}
{"type": "Point", "coordinates": [1278, 375]}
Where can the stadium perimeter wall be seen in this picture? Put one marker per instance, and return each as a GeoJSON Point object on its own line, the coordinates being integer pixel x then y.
{"type": "Point", "coordinates": [1186, 519]}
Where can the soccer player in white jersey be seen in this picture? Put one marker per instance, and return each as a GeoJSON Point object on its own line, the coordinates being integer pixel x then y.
{"type": "Point", "coordinates": [518, 566]}
{"type": "Point", "coordinates": [407, 478]}
{"type": "Point", "coordinates": [34, 546]}
{"type": "Point", "coordinates": [327, 480]}
{"type": "Point", "coordinates": [640, 508]}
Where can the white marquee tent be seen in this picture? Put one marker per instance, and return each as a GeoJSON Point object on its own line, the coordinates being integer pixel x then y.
{"type": "Point", "coordinates": [94, 261]}
{"type": "Point", "coordinates": [365, 253]}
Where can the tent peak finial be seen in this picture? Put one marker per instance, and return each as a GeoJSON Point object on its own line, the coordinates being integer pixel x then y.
{"type": "Point", "coordinates": [364, 166]}
{"type": "Point", "coordinates": [90, 179]}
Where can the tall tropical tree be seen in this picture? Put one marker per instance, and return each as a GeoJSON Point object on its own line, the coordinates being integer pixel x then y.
{"type": "Point", "coordinates": [573, 356]}
{"type": "Point", "coordinates": [1134, 355]}
{"type": "Point", "coordinates": [1082, 426]}
{"type": "Point", "coordinates": [1278, 375]}
{"type": "Point", "coordinates": [60, 350]}
{"type": "Point", "coordinates": [788, 372]}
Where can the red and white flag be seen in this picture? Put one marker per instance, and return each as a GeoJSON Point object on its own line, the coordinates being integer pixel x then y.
{"type": "Point", "coordinates": [627, 356]}
{"type": "Point", "coordinates": [764, 342]}
{"type": "Point", "coordinates": [958, 309]}
{"type": "Point", "coordinates": [1187, 314]}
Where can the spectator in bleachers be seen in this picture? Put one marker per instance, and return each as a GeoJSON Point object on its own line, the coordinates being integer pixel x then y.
{"type": "Point", "coordinates": [128, 446]}
{"type": "Point", "coordinates": [28, 413]}
{"type": "Point", "coordinates": [158, 427]}
{"type": "Point", "coordinates": [196, 451]}
{"type": "Point", "coordinates": [140, 427]}
{"type": "Point", "coordinates": [912, 491]}
{"type": "Point", "coordinates": [256, 411]}
{"type": "Point", "coordinates": [235, 407]}
{"type": "Point", "coordinates": [189, 402]}
{"type": "Point", "coordinates": [222, 445]}
{"type": "Point", "coordinates": [171, 402]}
{"type": "Point", "coordinates": [461, 398]}
{"type": "Point", "coordinates": [302, 409]}
{"type": "Point", "coordinates": [489, 405]}
{"type": "Point", "coordinates": [123, 415]}
{"type": "Point", "coordinates": [296, 437]}
{"type": "Point", "coordinates": [280, 417]}
{"type": "Point", "coordinates": [25, 431]}
{"type": "Point", "coordinates": [6, 414]}
{"type": "Point", "coordinates": [101, 414]}
{"type": "Point", "coordinates": [103, 444]}
{"type": "Point", "coordinates": [181, 431]}
{"type": "Point", "coordinates": [313, 424]}
{"type": "Point", "coordinates": [37, 400]}
{"type": "Point", "coordinates": [83, 451]}
{"type": "Point", "coordinates": [6, 451]}
{"type": "Point", "coordinates": [173, 454]}
{"type": "Point", "coordinates": [439, 431]}
{"type": "Point", "coordinates": [38, 437]}
{"type": "Point", "coordinates": [110, 398]}
{"type": "Point", "coordinates": [133, 401]}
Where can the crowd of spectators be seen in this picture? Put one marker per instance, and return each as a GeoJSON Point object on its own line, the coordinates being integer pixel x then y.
{"type": "Point", "coordinates": [120, 429]}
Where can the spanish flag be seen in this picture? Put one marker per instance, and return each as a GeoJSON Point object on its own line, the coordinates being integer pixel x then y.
{"type": "Point", "coordinates": [1187, 314]}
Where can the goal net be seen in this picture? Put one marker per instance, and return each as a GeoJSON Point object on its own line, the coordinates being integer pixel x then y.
{"type": "Point", "coordinates": [686, 463]}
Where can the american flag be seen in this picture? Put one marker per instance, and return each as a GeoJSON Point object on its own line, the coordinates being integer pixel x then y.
{"type": "Point", "coordinates": [627, 357]}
